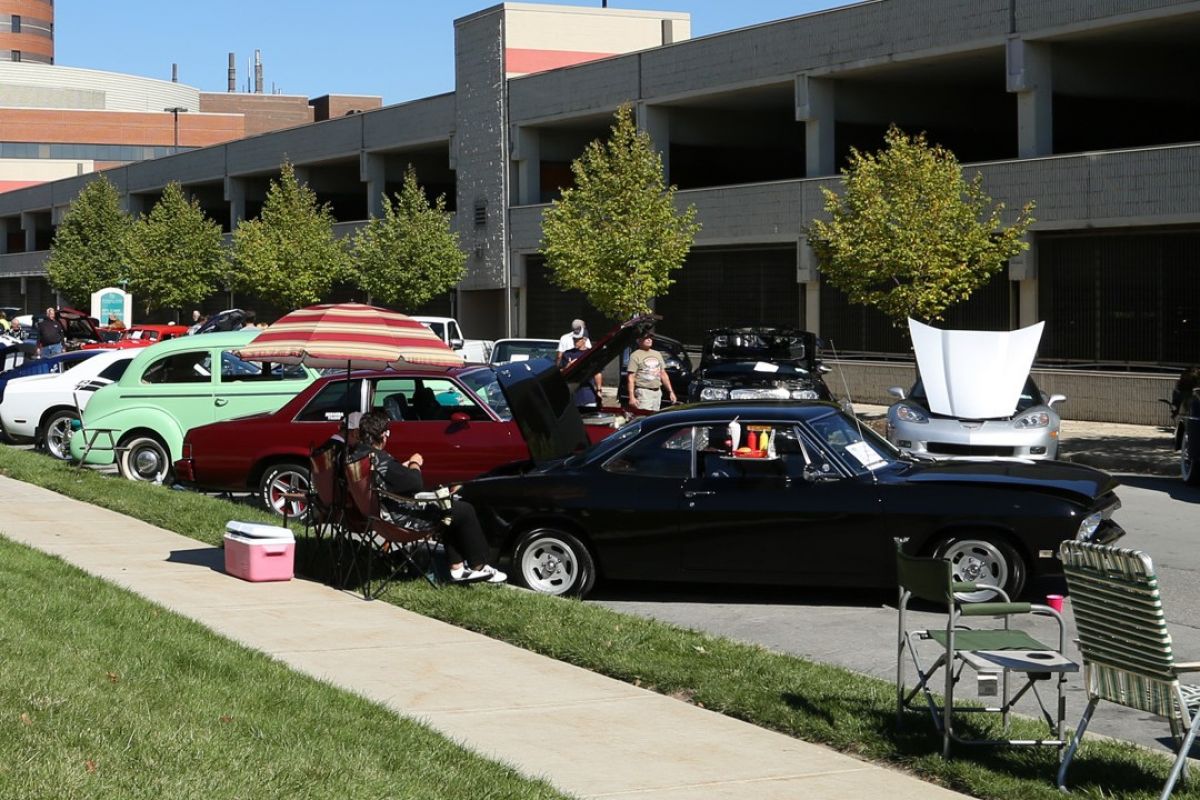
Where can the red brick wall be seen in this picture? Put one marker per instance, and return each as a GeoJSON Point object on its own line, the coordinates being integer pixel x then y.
{"type": "Point", "coordinates": [263, 112]}
{"type": "Point", "coordinates": [117, 127]}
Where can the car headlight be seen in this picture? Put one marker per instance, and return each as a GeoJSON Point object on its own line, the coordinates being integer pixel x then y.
{"type": "Point", "coordinates": [714, 393]}
{"type": "Point", "coordinates": [1038, 419]}
{"type": "Point", "coordinates": [671, 363]}
{"type": "Point", "coordinates": [910, 414]}
{"type": "Point", "coordinates": [803, 394]}
{"type": "Point", "coordinates": [1089, 526]}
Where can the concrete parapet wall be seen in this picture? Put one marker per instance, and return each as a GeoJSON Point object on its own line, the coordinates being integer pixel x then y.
{"type": "Point", "coordinates": [1092, 396]}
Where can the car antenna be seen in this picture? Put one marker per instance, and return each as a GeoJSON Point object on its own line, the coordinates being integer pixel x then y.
{"type": "Point", "coordinates": [850, 403]}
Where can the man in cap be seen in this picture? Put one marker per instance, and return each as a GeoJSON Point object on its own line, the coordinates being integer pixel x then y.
{"type": "Point", "coordinates": [647, 376]}
{"type": "Point", "coordinates": [567, 340]}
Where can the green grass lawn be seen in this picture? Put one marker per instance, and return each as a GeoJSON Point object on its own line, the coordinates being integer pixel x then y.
{"type": "Point", "coordinates": [815, 702]}
{"type": "Point", "coordinates": [105, 695]}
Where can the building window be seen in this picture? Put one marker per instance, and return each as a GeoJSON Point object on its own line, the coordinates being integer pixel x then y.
{"type": "Point", "coordinates": [16, 55]}
{"type": "Point", "coordinates": [16, 23]}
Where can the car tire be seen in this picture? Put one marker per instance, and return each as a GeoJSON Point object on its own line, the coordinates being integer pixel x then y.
{"type": "Point", "coordinates": [555, 562]}
{"type": "Point", "coordinates": [56, 432]}
{"type": "Point", "coordinates": [286, 477]}
{"type": "Point", "coordinates": [1187, 461]}
{"type": "Point", "coordinates": [986, 559]}
{"type": "Point", "coordinates": [144, 458]}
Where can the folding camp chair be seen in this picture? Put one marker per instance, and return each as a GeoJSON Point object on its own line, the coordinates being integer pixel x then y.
{"type": "Point", "coordinates": [383, 541]}
{"type": "Point", "coordinates": [992, 653]}
{"type": "Point", "coordinates": [1127, 655]}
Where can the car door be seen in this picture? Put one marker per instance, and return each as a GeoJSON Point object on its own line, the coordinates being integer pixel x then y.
{"type": "Point", "coordinates": [795, 517]}
{"type": "Point", "coordinates": [633, 503]}
{"type": "Point", "coordinates": [441, 420]}
{"type": "Point", "coordinates": [252, 387]}
{"type": "Point", "coordinates": [180, 383]}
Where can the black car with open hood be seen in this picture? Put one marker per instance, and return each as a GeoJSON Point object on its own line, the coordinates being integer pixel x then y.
{"type": "Point", "coordinates": [788, 493]}
{"type": "Point", "coordinates": [759, 363]}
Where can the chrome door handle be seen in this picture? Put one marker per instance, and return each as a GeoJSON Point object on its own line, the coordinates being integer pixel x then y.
{"type": "Point", "coordinates": [698, 494]}
{"type": "Point", "coordinates": [221, 401]}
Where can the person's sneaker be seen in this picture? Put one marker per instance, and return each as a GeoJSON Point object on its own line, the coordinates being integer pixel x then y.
{"type": "Point", "coordinates": [470, 575]}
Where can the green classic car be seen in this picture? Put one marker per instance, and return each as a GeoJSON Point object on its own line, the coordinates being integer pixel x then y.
{"type": "Point", "coordinates": [172, 387]}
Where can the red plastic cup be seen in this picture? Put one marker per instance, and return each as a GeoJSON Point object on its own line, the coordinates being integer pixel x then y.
{"type": "Point", "coordinates": [1055, 601]}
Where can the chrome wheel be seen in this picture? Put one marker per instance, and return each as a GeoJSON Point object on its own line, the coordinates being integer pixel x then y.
{"type": "Point", "coordinates": [554, 562]}
{"type": "Point", "coordinates": [278, 483]}
{"type": "Point", "coordinates": [983, 561]}
{"type": "Point", "coordinates": [145, 459]}
{"type": "Point", "coordinates": [57, 434]}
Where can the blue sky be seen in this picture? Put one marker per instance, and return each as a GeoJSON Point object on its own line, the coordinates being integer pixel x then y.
{"type": "Point", "coordinates": [400, 49]}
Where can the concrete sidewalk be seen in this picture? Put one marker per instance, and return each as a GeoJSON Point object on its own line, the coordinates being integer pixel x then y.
{"type": "Point", "coordinates": [586, 734]}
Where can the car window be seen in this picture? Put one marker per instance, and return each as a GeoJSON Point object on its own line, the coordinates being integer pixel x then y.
{"type": "Point", "coordinates": [331, 402]}
{"type": "Point", "coordinates": [435, 399]}
{"type": "Point", "coordinates": [717, 457]}
{"type": "Point", "coordinates": [115, 370]}
{"type": "Point", "coordinates": [437, 328]}
{"type": "Point", "coordinates": [487, 389]}
{"type": "Point", "coordinates": [70, 363]}
{"type": "Point", "coordinates": [234, 369]}
{"type": "Point", "coordinates": [393, 396]}
{"type": "Point", "coordinates": [188, 367]}
{"type": "Point", "coordinates": [454, 332]}
{"type": "Point", "coordinates": [662, 454]}
{"type": "Point", "coordinates": [858, 447]}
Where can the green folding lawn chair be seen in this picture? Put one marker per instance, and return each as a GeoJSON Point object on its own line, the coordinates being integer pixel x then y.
{"type": "Point", "coordinates": [1127, 655]}
{"type": "Point", "coordinates": [992, 653]}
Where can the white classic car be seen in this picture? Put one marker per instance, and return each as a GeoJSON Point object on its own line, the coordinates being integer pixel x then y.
{"type": "Point", "coordinates": [45, 408]}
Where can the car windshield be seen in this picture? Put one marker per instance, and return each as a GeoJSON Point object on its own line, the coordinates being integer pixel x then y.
{"type": "Point", "coordinates": [505, 352]}
{"type": "Point", "coordinates": [485, 386]}
{"type": "Point", "coordinates": [860, 448]}
{"type": "Point", "coordinates": [1031, 395]}
{"type": "Point", "coordinates": [761, 345]}
{"type": "Point", "coordinates": [437, 328]}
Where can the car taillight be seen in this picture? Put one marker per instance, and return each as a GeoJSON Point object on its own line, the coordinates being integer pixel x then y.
{"type": "Point", "coordinates": [187, 452]}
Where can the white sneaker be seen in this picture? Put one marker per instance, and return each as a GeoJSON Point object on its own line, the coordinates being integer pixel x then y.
{"type": "Point", "coordinates": [485, 573]}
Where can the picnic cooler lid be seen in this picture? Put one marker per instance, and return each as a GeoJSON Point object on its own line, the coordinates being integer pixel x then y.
{"type": "Point", "coordinates": [258, 533]}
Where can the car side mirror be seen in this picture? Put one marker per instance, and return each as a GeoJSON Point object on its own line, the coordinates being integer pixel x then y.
{"type": "Point", "coordinates": [460, 417]}
{"type": "Point", "coordinates": [897, 392]}
{"type": "Point", "coordinates": [1056, 398]}
{"type": "Point", "coordinates": [456, 344]}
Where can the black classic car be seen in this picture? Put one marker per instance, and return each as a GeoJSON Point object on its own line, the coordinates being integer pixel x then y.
{"type": "Point", "coordinates": [787, 493]}
{"type": "Point", "coordinates": [759, 363]}
{"type": "Point", "coordinates": [1185, 419]}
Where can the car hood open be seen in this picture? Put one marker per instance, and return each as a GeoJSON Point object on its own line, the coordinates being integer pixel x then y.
{"type": "Point", "coordinates": [974, 374]}
{"type": "Point", "coordinates": [541, 397]}
{"type": "Point", "coordinates": [79, 325]}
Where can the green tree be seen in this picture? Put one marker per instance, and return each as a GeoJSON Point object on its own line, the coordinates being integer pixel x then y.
{"type": "Point", "coordinates": [289, 253]}
{"type": "Point", "coordinates": [176, 257]}
{"type": "Point", "coordinates": [409, 255]}
{"type": "Point", "coordinates": [616, 235]}
{"type": "Point", "coordinates": [90, 248]}
{"type": "Point", "coordinates": [908, 234]}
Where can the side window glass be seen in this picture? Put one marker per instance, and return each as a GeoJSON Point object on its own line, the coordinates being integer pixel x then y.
{"type": "Point", "coordinates": [394, 396]}
{"type": "Point", "coordinates": [437, 399]}
{"type": "Point", "coordinates": [115, 370]}
{"type": "Point", "coordinates": [454, 332]}
{"type": "Point", "coordinates": [663, 454]}
{"type": "Point", "coordinates": [191, 367]}
{"type": "Point", "coordinates": [235, 369]}
{"type": "Point", "coordinates": [330, 404]}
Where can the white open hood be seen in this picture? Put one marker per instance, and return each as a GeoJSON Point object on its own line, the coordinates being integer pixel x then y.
{"type": "Point", "coordinates": [974, 374]}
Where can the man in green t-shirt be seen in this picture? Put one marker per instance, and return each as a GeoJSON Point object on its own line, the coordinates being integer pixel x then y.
{"type": "Point", "coordinates": [647, 376]}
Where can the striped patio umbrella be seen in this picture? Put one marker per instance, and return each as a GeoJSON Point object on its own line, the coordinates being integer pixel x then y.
{"type": "Point", "coordinates": [349, 336]}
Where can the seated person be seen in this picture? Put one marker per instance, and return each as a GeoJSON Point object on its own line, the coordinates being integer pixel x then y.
{"type": "Point", "coordinates": [466, 548]}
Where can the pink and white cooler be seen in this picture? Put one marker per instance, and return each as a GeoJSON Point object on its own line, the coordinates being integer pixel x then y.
{"type": "Point", "coordinates": [257, 552]}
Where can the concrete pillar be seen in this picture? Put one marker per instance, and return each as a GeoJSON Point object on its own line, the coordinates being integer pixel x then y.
{"type": "Point", "coordinates": [527, 154]}
{"type": "Point", "coordinates": [29, 225]}
{"type": "Point", "coordinates": [809, 274]}
{"type": "Point", "coordinates": [815, 108]}
{"type": "Point", "coordinates": [7, 225]}
{"type": "Point", "coordinates": [656, 121]}
{"type": "Point", "coordinates": [1023, 269]}
{"type": "Point", "coordinates": [235, 195]}
{"type": "Point", "coordinates": [372, 170]}
{"type": "Point", "coordinates": [1029, 75]}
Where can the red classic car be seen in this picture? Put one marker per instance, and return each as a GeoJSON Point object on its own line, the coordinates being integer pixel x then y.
{"type": "Point", "coordinates": [140, 336]}
{"type": "Point", "coordinates": [457, 418]}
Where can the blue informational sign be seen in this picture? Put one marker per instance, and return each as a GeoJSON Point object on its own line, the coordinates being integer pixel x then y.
{"type": "Point", "coordinates": [112, 304]}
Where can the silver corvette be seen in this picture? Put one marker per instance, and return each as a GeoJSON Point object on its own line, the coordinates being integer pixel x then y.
{"type": "Point", "coordinates": [1031, 432]}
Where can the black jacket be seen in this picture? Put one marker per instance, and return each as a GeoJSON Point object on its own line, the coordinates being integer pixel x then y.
{"type": "Point", "coordinates": [49, 332]}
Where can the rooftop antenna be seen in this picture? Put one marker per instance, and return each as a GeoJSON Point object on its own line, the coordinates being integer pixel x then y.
{"type": "Point", "coordinates": [850, 403]}
{"type": "Point", "coordinates": [258, 72]}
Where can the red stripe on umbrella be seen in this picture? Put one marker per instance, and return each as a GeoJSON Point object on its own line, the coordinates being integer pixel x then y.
{"type": "Point", "coordinates": [349, 335]}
